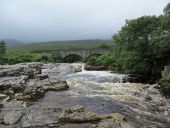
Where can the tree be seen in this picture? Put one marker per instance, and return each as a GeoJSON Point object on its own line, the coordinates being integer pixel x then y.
{"type": "Point", "coordinates": [2, 47]}
{"type": "Point", "coordinates": [135, 37]}
{"type": "Point", "coordinates": [142, 46]}
{"type": "Point", "coordinates": [166, 17]}
{"type": "Point", "coordinates": [167, 10]}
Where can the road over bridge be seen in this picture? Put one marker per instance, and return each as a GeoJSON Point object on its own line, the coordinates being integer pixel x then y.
{"type": "Point", "coordinates": [84, 53]}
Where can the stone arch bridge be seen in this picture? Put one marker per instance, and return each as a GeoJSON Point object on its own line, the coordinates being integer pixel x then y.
{"type": "Point", "coordinates": [84, 53]}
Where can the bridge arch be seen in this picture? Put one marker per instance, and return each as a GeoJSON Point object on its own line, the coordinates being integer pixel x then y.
{"type": "Point", "coordinates": [91, 56]}
{"type": "Point", "coordinates": [72, 58]}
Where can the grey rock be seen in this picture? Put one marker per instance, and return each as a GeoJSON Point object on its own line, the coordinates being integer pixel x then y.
{"type": "Point", "coordinates": [166, 73]}
{"type": "Point", "coordinates": [41, 77]}
{"type": "Point", "coordinates": [56, 86]}
{"type": "Point", "coordinates": [12, 117]}
{"type": "Point", "coordinates": [78, 115]}
{"type": "Point", "coordinates": [3, 96]}
{"type": "Point", "coordinates": [48, 84]}
{"type": "Point", "coordinates": [12, 112]}
{"type": "Point", "coordinates": [15, 83]}
{"type": "Point", "coordinates": [37, 117]}
{"type": "Point", "coordinates": [28, 69]}
{"type": "Point", "coordinates": [32, 93]}
{"type": "Point", "coordinates": [112, 123]}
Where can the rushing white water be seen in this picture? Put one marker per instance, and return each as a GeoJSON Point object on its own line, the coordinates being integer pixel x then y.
{"type": "Point", "coordinates": [97, 76]}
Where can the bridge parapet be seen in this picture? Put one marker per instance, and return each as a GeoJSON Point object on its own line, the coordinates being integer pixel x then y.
{"type": "Point", "coordinates": [83, 53]}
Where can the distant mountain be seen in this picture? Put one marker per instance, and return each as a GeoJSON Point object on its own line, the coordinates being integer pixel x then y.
{"type": "Point", "coordinates": [12, 42]}
{"type": "Point", "coordinates": [54, 45]}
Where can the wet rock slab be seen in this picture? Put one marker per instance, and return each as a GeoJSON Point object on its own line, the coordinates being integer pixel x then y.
{"type": "Point", "coordinates": [11, 112]}
{"type": "Point", "coordinates": [73, 117]}
{"type": "Point", "coordinates": [95, 104]}
{"type": "Point", "coordinates": [37, 117]}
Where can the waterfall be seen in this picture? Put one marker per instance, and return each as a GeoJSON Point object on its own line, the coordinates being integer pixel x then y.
{"type": "Point", "coordinates": [82, 68]}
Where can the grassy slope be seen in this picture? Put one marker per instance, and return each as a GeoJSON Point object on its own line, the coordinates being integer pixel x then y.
{"type": "Point", "coordinates": [78, 44]}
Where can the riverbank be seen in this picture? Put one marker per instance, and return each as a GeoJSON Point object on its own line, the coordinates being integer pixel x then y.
{"type": "Point", "coordinates": [65, 95]}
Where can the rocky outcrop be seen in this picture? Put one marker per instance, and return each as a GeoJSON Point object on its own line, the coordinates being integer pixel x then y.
{"type": "Point", "coordinates": [35, 117]}
{"type": "Point", "coordinates": [164, 83]}
{"type": "Point", "coordinates": [56, 86]}
{"type": "Point", "coordinates": [71, 117]}
{"type": "Point", "coordinates": [35, 89]}
{"type": "Point", "coordinates": [78, 115]}
{"type": "Point", "coordinates": [27, 69]}
{"type": "Point", "coordinates": [12, 112]}
{"type": "Point", "coordinates": [112, 123]}
{"type": "Point", "coordinates": [22, 83]}
{"type": "Point", "coordinates": [166, 73]}
{"type": "Point", "coordinates": [31, 94]}
{"type": "Point", "coordinates": [25, 82]}
{"type": "Point", "coordinates": [14, 83]}
{"type": "Point", "coordinates": [33, 98]}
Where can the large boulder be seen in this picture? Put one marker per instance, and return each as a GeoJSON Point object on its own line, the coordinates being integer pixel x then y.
{"type": "Point", "coordinates": [78, 115]}
{"type": "Point", "coordinates": [164, 83]}
{"type": "Point", "coordinates": [36, 117]}
{"type": "Point", "coordinates": [28, 69]}
{"type": "Point", "coordinates": [31, 93]}
{"type": "Point", "coordinates": [166, 73]}
{"type": "Point", "coordinates": [35, 89]}
{"type": "Point", "coordinates": [56, 86]}
{"type": "Point", "coordinates": [15, 83]}
{"type": "Point", "coordinates": [48, 84]}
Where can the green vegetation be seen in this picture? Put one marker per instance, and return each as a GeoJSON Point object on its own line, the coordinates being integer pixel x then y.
{"type": "Point", "coordinates": [142, 46]}
{"type": "Point", "coordinates": [14, 57]}
{"type": "Point", "coordinates": [104, 60]}
{"type": "Point", "coordinates": [2, 48]}
{"type": "Point", "coordinates": [37, 52]}
{"type": "Point", "coordinates": [53, 45]}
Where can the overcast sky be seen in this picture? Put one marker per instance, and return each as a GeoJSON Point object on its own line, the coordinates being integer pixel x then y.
{"type": "Point", "coordinates": [43, 20]}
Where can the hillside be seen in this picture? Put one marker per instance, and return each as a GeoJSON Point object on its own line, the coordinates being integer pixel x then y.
{"type": "Point", "coordinates": [12, 42]}
{"type": "Point", "coordinates": [52, 45]}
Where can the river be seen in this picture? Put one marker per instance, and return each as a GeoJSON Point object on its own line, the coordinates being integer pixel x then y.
{"type": "Point", "coordinates": [103, 92]}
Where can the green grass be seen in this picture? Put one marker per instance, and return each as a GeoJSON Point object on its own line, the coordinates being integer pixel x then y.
{"type": "Point", "coordinates": [54, 45]}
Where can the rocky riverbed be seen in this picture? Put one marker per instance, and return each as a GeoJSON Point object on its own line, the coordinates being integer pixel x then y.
{"type": "Point", "coordinates": [66, 96]}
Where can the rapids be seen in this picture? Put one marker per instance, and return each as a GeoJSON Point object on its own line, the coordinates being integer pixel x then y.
{"type": "Point", "coordinates": [105, 92]}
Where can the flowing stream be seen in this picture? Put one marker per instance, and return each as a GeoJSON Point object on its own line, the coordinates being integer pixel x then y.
{"type": "Point", "coordinates": [104, 92]}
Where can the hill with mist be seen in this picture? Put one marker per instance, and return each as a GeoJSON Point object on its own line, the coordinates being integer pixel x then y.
{"type": "Point", "coordinates": [12, 42]}
{"type": "Point", "coordinates": [53, 45]}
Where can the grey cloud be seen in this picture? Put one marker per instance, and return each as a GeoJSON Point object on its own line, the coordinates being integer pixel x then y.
{"type": "Point", "coordinates": [42, 20]}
